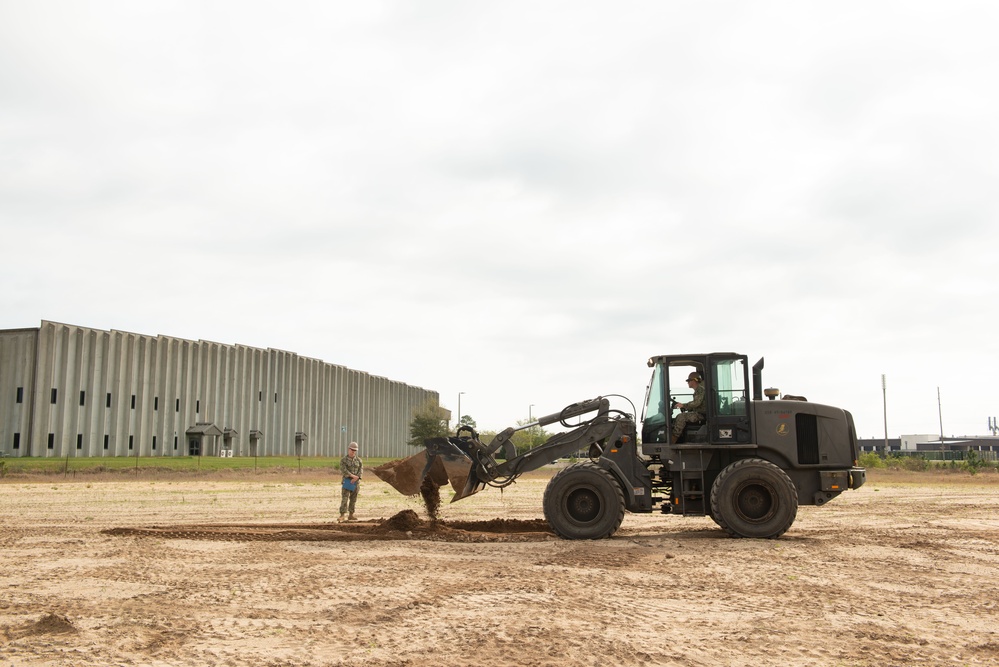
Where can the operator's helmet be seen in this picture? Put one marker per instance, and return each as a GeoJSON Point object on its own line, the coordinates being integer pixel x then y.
{"type": "Point", "coordinates": [694, 376]}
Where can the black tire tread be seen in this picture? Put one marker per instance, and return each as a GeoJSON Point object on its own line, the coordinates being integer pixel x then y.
{"type": "Point", "coordinates": [599, 480]}
{"type": "Point", "coordinates": [787, 499]}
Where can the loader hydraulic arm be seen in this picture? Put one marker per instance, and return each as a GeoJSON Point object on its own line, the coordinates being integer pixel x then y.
{"type": "Point", "coordinates": [502, 440]}
{"type": "Point", "coordinates": [470, 465]}
{"type": "Point", "coordinates": [594, 431]}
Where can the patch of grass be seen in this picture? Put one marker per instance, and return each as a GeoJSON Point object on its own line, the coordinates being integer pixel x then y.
{"type": "Point", "coordinates": [972, 463]}
{"type": "Point", "coordinates": [172, 464]}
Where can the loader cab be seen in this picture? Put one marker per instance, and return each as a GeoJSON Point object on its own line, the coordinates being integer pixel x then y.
{"type": "Point", "coordinates": [726, 391]}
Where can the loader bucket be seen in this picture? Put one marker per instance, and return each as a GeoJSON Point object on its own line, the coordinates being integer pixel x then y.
{"type": "Point", "coordinates": [441, 462]}
{"type": "Point", "coordinates": [406, 475]}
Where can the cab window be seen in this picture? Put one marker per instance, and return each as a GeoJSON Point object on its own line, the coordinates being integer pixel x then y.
{"type": "Point", "coordinates": [731, 394]}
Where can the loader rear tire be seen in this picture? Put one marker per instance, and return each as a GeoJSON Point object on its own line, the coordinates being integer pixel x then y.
{"type": "Point", "coordinates": [584, 502]}
{"type": "Point", "coordinates": [754, 498]}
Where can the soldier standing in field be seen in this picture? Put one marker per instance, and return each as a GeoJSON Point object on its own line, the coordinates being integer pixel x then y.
{"type": "Point", "coordinates": [351, 468]}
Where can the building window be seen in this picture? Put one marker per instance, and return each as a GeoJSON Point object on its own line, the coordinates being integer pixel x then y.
{"type": "Point", "coordinates": [51, 440]}
{"type": "Point", "coordinates": [83, 397]}
{"type": "Point", "coordinates": [79, 441]}
{"type": "Point", "coordinates": [133, 401]}
{"type": "Point", "coordinates": [131, 440]}
{"type": "Point", "coordinates": [275, 397]}
{"type": "Point", "coordinates": [175, 442]}
{"type": "Point", "coordinates": [55, 394]}
{"type": "Point", "coordinates": [154, 443]}
{"type": "Point", "coordinates": [17, 441]}
{"type": "Point", "coordinates": [178, 405]}
{"type": "Point", "coordinates": [106, 437]}
{"type": "Point", "coordinates": [197, 407]}
{"type": "Point", "coordinates": [156, 403]}
{"type": "Point", "coordinates": [20, 394]}
{"type": "Point", "coordinates": [108, 402]}
{"type": "Point", "coordinates": [261, 397]}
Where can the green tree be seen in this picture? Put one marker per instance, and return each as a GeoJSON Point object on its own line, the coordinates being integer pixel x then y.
{"type": "Point", "coordinates": [429, 421]}
{"type": "Point", "coordinates": [973, 462]}
{"type": "Point", "coordinates": [467, 421]}
{"type": "Point", "coordinates": [528, 438]}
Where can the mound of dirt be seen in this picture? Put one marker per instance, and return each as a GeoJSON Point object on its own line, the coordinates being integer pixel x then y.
{"type": "Point", "coordinates": [404, 525]}
{"type": "Point", "coordinates": [49, 624]}
{"type": "Point", "coordinates": [404, 520]}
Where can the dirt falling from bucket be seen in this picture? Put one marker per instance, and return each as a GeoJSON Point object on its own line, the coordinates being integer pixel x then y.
{"type": "Point", "coordinates": [430, 491]}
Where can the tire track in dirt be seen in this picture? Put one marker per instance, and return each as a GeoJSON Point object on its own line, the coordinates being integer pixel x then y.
{"type": "Point", "coordinates": [403, 526]}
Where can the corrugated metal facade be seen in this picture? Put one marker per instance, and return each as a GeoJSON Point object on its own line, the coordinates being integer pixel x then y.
{"type": "Point", "coordinates": [75, 391]}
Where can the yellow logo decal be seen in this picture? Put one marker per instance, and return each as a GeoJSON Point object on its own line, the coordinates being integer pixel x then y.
{"type": "Point", "coordinates": [782, 429]}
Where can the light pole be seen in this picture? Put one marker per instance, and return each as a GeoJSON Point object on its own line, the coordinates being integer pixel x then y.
{"type": "Point", "coordinates": [884, 401]}
{"type": "Point", "coordinates": [530, 414]}
{"type": "Point", "coordinates": [457, 423]}
{"type": "Point", "coordinates": [940, 412]}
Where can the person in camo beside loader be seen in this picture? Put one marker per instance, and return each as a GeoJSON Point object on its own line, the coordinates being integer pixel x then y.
{"type": "Point", "coordinates": [693, 410]}
{"type": "Point", "coordinates": [351, 468]}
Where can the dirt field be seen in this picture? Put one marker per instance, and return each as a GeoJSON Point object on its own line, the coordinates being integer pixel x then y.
{"type": "Point", "coordinates": [121, 571]}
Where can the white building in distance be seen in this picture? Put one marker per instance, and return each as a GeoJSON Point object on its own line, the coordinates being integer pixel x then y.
{"type": "Point", "coordinates": [71, 391]}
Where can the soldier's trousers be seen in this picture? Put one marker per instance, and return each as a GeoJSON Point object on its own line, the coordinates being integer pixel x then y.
{"type": "Point", "coordinates": [348, 499]}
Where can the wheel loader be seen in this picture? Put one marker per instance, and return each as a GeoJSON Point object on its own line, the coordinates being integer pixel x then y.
{"type": "Point", "coordinates": [746, 461]}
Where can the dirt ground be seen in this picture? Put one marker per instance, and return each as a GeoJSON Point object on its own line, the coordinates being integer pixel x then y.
{"type": "Point", "coordinates": [252, 570]}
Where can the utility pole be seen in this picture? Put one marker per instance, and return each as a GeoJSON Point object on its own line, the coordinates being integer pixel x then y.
{"type": "Point", "coordinates": [458, 422]}
{"type": "Point", "coordinates": [884, 402]}
{"type": "Point", "coordinates": [940, 413]}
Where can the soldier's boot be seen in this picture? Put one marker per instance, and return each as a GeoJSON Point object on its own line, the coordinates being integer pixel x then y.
{"type": "Point", "coordinates": [352, 518]}
{"type": "Point", "coordinates": [343, 517]}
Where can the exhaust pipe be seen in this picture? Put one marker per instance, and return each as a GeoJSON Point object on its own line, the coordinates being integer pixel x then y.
{"type": "Point", "coordinates": [758, 380]}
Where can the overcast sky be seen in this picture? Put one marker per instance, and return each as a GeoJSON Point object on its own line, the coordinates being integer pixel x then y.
{"type": "Point", "coordinates": [521, 201]}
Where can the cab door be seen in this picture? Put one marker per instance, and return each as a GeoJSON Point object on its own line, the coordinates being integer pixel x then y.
{"type": "Point", "coordinates": [729, 414]}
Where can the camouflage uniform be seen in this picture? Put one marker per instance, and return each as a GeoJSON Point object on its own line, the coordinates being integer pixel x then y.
{"type": "Point", "coordinates": [694, 412]}
{"type": "Point", "coordinates": [348, 499]}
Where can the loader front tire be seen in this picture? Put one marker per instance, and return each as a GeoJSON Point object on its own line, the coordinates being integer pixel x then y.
{"type": "Point", "coordinates": [584, 502]}
{"type": "Point", "coordinates": [754, 498]}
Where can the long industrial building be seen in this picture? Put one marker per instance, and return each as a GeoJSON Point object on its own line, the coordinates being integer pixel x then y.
{"type": "Point", "coordinates": [72, 391]}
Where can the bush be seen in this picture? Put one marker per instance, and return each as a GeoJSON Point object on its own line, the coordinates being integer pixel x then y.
{"type": "Point", "coordinates": [975, 463]}
{"type": "Point", "coordinates": [892, 462]}
{"type": "Point", "coordinates": [915, 463]}
{"type": "Point", "coordinates": [871, 460]}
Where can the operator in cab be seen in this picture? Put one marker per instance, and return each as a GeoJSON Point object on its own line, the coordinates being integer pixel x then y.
{"type": "Point", "coordinates": [692, 412]}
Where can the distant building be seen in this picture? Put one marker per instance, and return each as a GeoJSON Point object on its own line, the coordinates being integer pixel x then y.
{"type": "Point", "coordinates": [71, 391]}
{"type": "Point", "coordinates": [931, 443]}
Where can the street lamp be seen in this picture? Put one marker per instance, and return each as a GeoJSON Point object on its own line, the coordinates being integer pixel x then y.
{"type": "Point", "coordinates": [457, 422]}
{"type": "Point", "coordinates": [940, 411]}
{"type": "Point", "coordinates": [530, 414]}
{"type": "Point", "coordinates": [884, 401]}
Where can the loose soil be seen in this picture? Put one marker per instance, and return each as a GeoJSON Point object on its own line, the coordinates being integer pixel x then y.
{"type": "Point", "coordinates": [430, 492]}
{"type": "Point", "coordinates": [255, 571]}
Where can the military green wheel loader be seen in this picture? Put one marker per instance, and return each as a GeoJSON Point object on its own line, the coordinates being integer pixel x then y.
{"type": "Point", "coordinates": [745, 461]}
